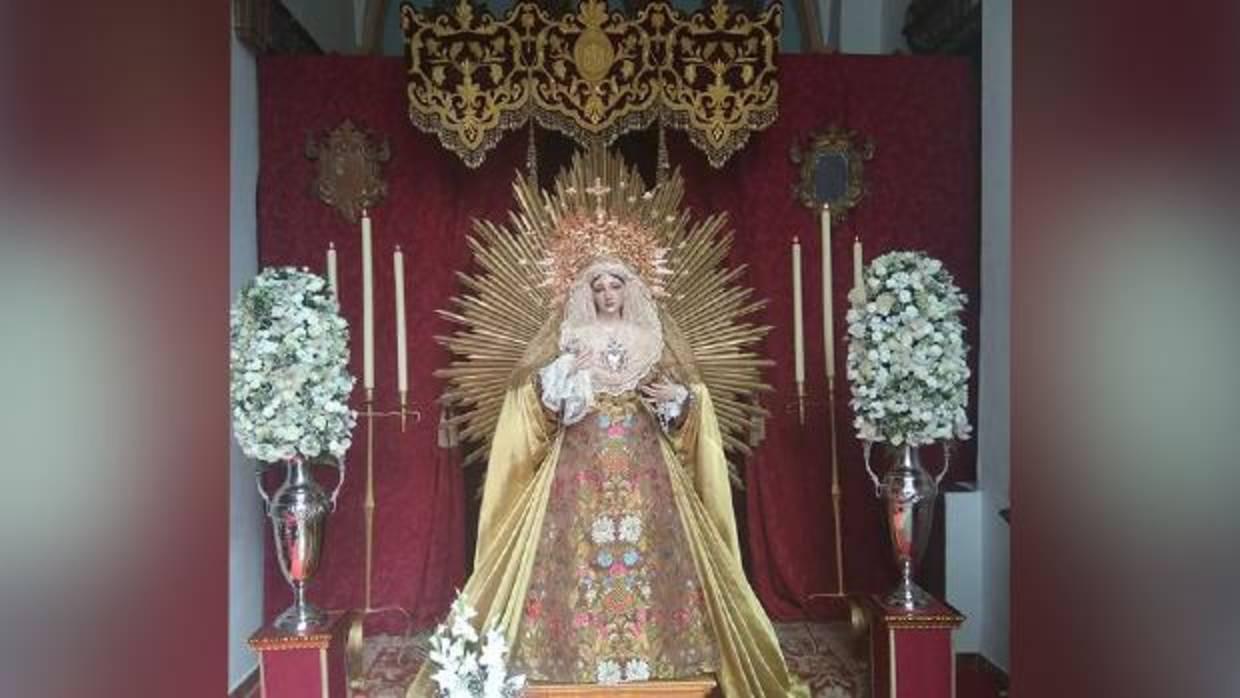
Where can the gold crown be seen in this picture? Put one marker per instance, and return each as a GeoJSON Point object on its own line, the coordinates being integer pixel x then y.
{"type": "Point", "coordinates": [583, 236]}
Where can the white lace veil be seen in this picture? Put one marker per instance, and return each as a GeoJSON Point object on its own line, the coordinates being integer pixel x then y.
{"type": "Point", "coordinates": [642, 335]}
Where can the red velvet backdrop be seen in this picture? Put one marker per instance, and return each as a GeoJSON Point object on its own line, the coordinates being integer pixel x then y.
{"type": "Point", "coordinates": [923, 194]}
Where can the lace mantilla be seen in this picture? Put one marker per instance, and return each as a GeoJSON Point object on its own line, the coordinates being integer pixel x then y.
{"type": "Point", "coordinates": [621, 356]}
{"type": "Point", "coordinates": [624, 351]}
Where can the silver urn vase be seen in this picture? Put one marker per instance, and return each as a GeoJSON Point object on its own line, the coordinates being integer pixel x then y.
{"type": "Point", "coordinates": [908, 492]}
{"type": "Point", "coordinates": [298, 511]}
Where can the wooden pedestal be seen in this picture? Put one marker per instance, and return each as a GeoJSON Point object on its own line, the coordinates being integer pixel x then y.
{"type": "Point", "coordinates": [911, 654]}
{"type": "Point", "coordinates": [303, 666]}
{"type": "Point", "coordinates": [690, 688]}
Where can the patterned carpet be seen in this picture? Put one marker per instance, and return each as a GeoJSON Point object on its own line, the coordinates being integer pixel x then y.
{"type": "Point", "coordinates": [823, 654]}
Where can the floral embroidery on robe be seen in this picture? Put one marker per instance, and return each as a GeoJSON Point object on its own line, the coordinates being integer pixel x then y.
{"type": "Point", "coordinates": [613, 595]}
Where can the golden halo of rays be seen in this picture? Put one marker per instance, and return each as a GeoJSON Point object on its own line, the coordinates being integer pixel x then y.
{"type": "Point", "coordinates": [599, 206]}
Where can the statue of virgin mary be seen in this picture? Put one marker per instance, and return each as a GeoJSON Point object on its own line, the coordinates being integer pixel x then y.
{"type": "Point", "coordinates": [607, 547]}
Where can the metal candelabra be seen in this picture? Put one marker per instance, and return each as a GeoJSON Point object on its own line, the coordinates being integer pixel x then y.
{"type": "Point", "coordinates": [836, 493]}
{"type": "Point", "coordinates": [856, 614]}
{"type": "Point", "coordinates": [356, 635]}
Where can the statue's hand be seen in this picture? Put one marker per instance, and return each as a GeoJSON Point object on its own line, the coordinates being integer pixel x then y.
{"type": "Point", "coordinates": [661, 391]}
{"type": "Point", "coordinates": [666, 400]}
{"type": "Point", "coordinates": [584, 357]}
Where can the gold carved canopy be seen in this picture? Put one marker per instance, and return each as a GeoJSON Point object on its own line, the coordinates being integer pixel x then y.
{"type": "Point", "coordinates": [592, 75]}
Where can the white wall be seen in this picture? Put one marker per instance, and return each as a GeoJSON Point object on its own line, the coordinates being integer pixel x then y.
{"type": "Point", "coordinates": [893, 26]}
{"type": "Point", "coordinates": [861, 26]}
{"type": "Point", "coordinates": [995, 368]}
{"type": "Point", "coordinates": [871, 26]}
{"type": "Point", "coordinates": [965, 579]}
{"type": "Point", "coordinates": [994, 394]}
{"type": "Point", "coordinates": [246, 531]}
{"type": "Point", "coordinates": [977, 537]}
{"type": "Point", "coordinates": [330, 22]}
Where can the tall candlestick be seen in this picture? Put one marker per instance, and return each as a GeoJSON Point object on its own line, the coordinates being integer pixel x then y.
{"type": "Point", "coordinates": [858, 269]}
{"type": "Point", "coordinates": [828, 332]}
{"type": "Point", "coordinates": [368, 309]}
{"type": "Point", "coordinates": [331, 271]}
{"type": "Point", "coordinates": [797, 324]}
{"type": "Point", "coordinates": [402, 370]}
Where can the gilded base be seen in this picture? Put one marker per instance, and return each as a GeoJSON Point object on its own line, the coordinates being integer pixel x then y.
{"type": "Point", "coordinates": [692, 688]}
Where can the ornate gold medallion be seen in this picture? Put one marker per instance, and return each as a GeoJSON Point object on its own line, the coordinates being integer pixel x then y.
{"type": "Point", "coordinates": [593, 52]}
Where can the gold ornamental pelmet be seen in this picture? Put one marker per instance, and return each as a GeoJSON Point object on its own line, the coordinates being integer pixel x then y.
{"type": "Point", "coordinates": [592, 75]}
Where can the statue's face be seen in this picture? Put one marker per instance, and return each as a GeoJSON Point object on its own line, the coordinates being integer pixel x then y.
{"type": "Point", "coordinates": [608, 295]}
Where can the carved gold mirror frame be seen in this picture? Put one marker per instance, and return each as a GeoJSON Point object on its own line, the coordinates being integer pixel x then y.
{"type": "Point", "coordinates": [832, 170]}
{"type": "Point", "coordinates": [349, 178]}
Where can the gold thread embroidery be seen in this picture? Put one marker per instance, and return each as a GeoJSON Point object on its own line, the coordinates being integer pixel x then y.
{"type": "Point", "coordinates": [592, 76]}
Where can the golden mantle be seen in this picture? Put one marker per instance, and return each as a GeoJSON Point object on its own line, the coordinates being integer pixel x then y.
{"type": "Point", "coordinates": [592, 75]}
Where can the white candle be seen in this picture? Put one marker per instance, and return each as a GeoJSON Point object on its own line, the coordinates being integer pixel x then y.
{"type": "Point", "coordinates": [797, 325]}
{"type": "Point", "coordinates": [828, 332]}
{"type": "Point", "coordinates": [331, 271]}
{"type": "Point", "coordinates": [858, 269]}
{"type": "Point", "coordinates": [402, 371]}
{"type": "Point", "coordinates": [368, 308]}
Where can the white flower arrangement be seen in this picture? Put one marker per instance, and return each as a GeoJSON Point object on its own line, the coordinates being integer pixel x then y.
{"type": "Point", "coordinates": [906, 353]}
{"type": "Point", "coordinates": [469, 666]}
{"type": "Point", "coordinates": [289, 356]}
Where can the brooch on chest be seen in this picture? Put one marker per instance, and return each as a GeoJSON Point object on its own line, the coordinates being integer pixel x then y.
{"type": "Point", "coordinates": [615, 356]}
